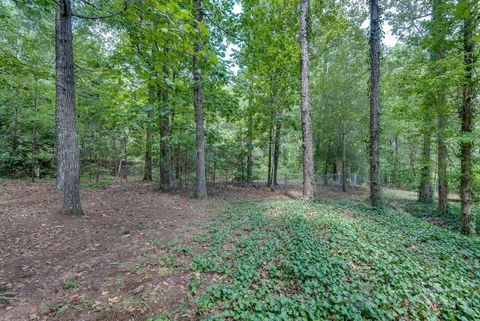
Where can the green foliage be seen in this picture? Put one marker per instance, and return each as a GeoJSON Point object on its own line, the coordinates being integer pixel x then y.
{"type": "Point", "coordinates": [340, 260]}
{"type": "Point", "coordinates": [70, 285]}
{"type": "Point", "coordinates": [134, 267]}
{"type": "Point", "coordinates": [100, 184]}
{"type": "Point", "coordinates": [428, 211]}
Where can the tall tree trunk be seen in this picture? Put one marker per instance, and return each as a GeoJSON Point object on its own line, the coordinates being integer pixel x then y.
{"type": "Point", "coordinates": [173, 155]}
{"type": "Point", "coordinates": [438, 56]}
{"type": "Point", "coordinates": [327, 160]}
{"type": "Point", "coordinates": [276, 152]}
{"type": "Point", "coordinates": [344, 160]}
{"type": "Point", "coordinates": [308, 166]}
{"type": "Point", "coordinates": [466, 145]}
{"type": "Point", "coordinates": [201, 181]}
{"type": "Point", "coordinates": [413, 158]}
{"type": "Point", "coordinates": [442, 165]}
{"type": "Point", "coordinates": [375, 34]}
{"type": "Point", "coordinates": [34, 132]}
{"type": "Point", "coordinates": [250, 141]}
{"type": "Point", "coordinates": [270, 143]}
{"type": "Point", "coordinates": [147, 173]}
{"type": "Point", "coordinates": [15, 129]}
{"type": "Point", "coordinates": [178, 166]}
{"type": "Point", "coordinates": [395, 162]}
{"type": "Point", "coordinates": [67, 141]}
{"type": "Point", "coordinates": [165, 156]}
{"type": "Point", "coordinates": [426, 192]}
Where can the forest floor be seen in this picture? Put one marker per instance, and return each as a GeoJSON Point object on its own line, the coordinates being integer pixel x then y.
{"type": "Point", "coordinates": [125, 260]}
{"type": "Point", "coordinates": [138, 254]}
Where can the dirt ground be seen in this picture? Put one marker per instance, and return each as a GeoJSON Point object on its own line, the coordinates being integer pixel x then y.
{"type": "Point", "coordinates": [127, 259]}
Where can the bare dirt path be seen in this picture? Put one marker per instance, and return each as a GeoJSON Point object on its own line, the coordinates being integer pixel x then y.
{"type": "Point", "coordinates": [55, 267]}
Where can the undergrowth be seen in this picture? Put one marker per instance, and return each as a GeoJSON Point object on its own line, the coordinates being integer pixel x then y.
{"type": "Point", "coordinates": [428, 211]}
{"type": "Point", "coordinates": [333, 261]}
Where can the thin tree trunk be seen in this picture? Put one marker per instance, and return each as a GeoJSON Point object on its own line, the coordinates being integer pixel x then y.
{"type": "Point", "coordinates": [413, 158]}
{"type": "Point", "coordinates": [178, 159]}
{"type": "Point", "coordinates": [147, 173]}
{"type": "Point", "coordinates": [15, 129]}
{"type": "Point", "coordinates": [425, 194]}
{"type": "Point", "coordinates": [466, 145]}
{"type": "Point", "coordinates": [250, 141]}
{"type": "Point", "coordinates": [165, 156]}
{"type": "Point", "coordinates": [67, 141]}
{"type": "Point", "coordinates": [276, 152]}
{"type": "Point", "coordinates": [442, 165]}
{"type": "Point", "coordinates": [173, 155]}
{"type": "Point", "coordinates": [308, 166]}
{"type": "Point", "coordinates": [34, 133]}
{"type": "Point", "coordinates": [201, 181]}
{"type": "Point", "coordinates": [270, 139]}
{"type": "Point", "coordinates": [375, 34]}
{"type": "Point", "coordinates": [325, 172]}
{"type": "Point", "coordinates": [395, 162]}
{"type": "Point", "coordinates": [439, 55]}
{"type": "Point", "coordinates": [344, 160]}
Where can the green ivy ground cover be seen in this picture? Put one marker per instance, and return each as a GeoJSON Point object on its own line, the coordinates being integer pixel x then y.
{"type": "Point", "coordinates": [333, 261]}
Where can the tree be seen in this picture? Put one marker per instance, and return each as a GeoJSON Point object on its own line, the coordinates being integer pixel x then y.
{"type": "Point", "coordinates": [308, 165]}
{"type": "Point", "coordinates": [201, 180]}
{"type": "Point", "coordinates": [165, 154]}
{"type": "Point", "coordinates": [67, 141]}
{"type": "Point", "coordinates": [375, 34]}
{"type": "Point", "coordinates": [147, 173]}
{"type": "Point", "coordinates": [438, 54]}
{"type": "Point", "coordinates": [426, 190]}
{"type": "Point", "coordinates": [250, 137]}
{"type": "Point", "coordinates": [466, 115]}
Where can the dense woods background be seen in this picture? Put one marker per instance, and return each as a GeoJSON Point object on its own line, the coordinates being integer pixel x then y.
{"type": "Point", "coordinates": [149, 75]}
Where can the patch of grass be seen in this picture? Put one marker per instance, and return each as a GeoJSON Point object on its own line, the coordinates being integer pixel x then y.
{"type": "Point", "coordinates": [60, 308]}
{"type": "Point", "coordinates": [131, 303]}
{"type": "Point", "coordinates": [70, 285]}
{"type": "Point", "coordinates": [45, 306]}
{"type": "Point", "coordinates": [134, 267]}
{"type": "Point", "coordinates": [335, 261]}
{"type": "Point", "coordinates": [181, 249]}
{"type": "Point", "coordinates": [169, 260]}
{"type": "Point", "coordinates": [142, 225]}
{"type": "Point", "coordinates": [154, 242]}
{"type": "Point", "coordinates": [81, 305]}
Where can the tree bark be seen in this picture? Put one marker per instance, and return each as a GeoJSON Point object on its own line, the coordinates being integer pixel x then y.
{"type": "Point", "coordinates": [147, 173]}
{"type": "Point", "coordinates": [165, 152]}
{"type": "Point", "coordinates": [201, 181]}
{"type": "Point", "coordinates": [466, 145]}
{"type": "Point", "coordinates": [250, 141]}
{"type": "Point", "coordinates": [308, 166]}
{"type": "Point", "coordinates": [67, 141]}
{"type": "Point", "coordinates": [15, 129]}
{"type": "Point", "coordinates": [34, 132]}
{"type": "Point", "coordinates": [327, 160]}
{"type": "Point", "coordinates": [439, 55]}
{"type": "Point", "coordinates": [425, 194]}
{"type": "Point", "coordinates": [270, 143]}
{"type": "Point", "coordinates": [442, 164]}
{"type": "Point", "coordinates": [375, 34]}
{"type": "Point", "coordinates": [344, 160]}
{"type": "Point", "coordinates": [395, 162]}
{"type": "Point", "coordinates": [276, 152]}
